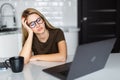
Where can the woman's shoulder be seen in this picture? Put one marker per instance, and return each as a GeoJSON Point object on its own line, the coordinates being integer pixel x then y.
{"type": "Point", "coordinates": [57, 30]}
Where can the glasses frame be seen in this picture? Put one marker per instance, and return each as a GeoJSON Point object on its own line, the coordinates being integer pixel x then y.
{"type": "Point", "coordinates": [34, 22]}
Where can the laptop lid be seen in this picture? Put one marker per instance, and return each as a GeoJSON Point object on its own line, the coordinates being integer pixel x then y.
{"type": "Point", "coordinates": [88, 58]}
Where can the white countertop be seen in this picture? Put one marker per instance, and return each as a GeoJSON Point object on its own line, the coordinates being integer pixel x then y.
{"type": "Point", "coordinates": [10, 32]}
{"type": "Point", "coordinates": [33, 71]}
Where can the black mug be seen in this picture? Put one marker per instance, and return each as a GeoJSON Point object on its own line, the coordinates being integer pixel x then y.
{"type": "Point", "coordinates": [15, 63]}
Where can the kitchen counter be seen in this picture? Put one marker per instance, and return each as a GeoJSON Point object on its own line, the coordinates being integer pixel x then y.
{"type": "Point", "coordinates": [33, 71]}
{"type": "Point", "coordinates": [10, 32]}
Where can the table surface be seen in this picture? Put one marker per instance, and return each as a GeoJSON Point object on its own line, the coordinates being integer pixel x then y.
{"type": "Point", "coordinates": [33, 71]}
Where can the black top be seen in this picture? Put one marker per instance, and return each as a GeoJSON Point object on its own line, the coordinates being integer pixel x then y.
{"type": "Point", "coordinates": [51, 45]}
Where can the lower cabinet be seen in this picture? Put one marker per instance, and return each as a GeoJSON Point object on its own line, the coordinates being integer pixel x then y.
{"type": "Point", "coordinates": [9, 45]}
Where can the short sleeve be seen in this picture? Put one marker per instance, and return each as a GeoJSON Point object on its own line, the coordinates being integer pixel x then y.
{"type": "Point", "coordinates": [60, 35]}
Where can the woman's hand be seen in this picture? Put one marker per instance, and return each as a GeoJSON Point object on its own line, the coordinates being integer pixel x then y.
{"type": "Point", "coordinates": [24, 23]}
{"type": "Point", "coordinates": [33, 58]}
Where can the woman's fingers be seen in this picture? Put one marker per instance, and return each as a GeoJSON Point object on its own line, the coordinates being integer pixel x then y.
{"type": "Point", "coordinates": [24, 23]}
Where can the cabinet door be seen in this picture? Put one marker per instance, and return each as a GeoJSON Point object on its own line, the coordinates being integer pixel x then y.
{"type": "Point", "coordinates": [98, 19]}
{"type": "Point", "coordinates": [19, 42]}
{"type": "Point", "coordinates": [9, 45]}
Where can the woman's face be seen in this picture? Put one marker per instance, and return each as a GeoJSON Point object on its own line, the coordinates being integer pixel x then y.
{"type": "Point", "coordinates": [36, 23]}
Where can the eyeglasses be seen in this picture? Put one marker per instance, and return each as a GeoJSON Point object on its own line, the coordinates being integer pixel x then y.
{"type": "Point", "coordinates": [33, 23]}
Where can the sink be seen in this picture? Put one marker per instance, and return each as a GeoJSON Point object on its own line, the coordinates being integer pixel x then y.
{"type": "Point", "coordinates": [8, 29]}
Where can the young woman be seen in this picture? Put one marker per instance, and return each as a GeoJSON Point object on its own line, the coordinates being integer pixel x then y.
{"type": "Point", "coordinates": [41, 41]}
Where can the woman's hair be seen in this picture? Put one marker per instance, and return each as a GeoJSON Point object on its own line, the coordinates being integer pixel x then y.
{"type": "Point", "coordinates": [28, 12]}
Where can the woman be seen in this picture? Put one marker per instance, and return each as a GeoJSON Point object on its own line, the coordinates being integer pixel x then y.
{"type": "Point", "coordinates": [41, 41]}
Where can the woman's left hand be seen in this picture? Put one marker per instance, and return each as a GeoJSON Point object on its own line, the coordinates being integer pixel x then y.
{"type": "Point", "coordinates": [33, 58]}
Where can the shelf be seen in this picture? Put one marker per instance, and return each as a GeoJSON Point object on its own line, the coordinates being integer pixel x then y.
{"type": "Point", "coordinates": [103, 23]}
{"type": "Point", "coordinates": [104, 10]}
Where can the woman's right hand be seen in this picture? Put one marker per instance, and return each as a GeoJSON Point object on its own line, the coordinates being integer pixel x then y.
{"type": "Point", "coordinates": [24, 23]}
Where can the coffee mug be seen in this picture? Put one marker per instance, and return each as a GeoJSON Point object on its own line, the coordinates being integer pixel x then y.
{"type": "Point", "coordinates": [15, 63]}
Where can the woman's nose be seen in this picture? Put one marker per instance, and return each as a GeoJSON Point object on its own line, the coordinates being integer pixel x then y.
{"type": "Point", "coordinates": [37, 25]}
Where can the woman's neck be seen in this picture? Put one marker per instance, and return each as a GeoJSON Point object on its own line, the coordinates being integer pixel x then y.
{"type": "Point", "coordinates": [43, 37]}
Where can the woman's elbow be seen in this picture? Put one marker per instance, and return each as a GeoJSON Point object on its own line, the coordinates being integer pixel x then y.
{"type": "Point", "coordinates": [26, 61]}
{"type": "Point", "coordinates": [63, 58]}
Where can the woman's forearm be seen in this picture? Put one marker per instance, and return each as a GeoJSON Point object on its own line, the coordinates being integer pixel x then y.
{"type": "Point", "coordinates": [49, 57]}
{"type": "Point", "coordinates": [60, 56]}
{"type": "Point", "coordinates": [26, 51]}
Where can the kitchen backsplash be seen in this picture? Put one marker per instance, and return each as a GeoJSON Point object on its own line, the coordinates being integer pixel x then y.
{"type": "Point", "coordinates": [60, 13]}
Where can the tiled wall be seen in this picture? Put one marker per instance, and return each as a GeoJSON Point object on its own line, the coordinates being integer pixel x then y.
{"type": "Point", "coordinates": [60, 13]}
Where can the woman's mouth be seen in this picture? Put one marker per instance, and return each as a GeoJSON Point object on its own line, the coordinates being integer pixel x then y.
{"type": "Point", "coordinates": [39, 29]}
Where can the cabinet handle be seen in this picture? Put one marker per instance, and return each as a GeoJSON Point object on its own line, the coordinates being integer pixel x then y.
{"type": "Point", "coordinates": [84, 19]}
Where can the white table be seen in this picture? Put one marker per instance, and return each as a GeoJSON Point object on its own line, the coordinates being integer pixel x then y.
{"type": "Point", "coordinates": [110, 72]}
{"type": "Point", "coordinates": [33, 71]}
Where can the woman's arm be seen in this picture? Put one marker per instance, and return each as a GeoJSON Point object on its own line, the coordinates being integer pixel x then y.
{"type": "Point", "coordinates": [26, 51]}
{"type": "Point", "coordinates": [60, 56]}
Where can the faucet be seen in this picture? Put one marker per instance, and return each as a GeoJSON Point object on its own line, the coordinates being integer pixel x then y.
{"type": "Point", "coordinates": [2, 14]}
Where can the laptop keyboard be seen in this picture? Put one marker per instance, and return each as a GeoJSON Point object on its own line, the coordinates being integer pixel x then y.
{"type": "Point", "coordinates": [65, 72]}
{"type": "Point", "coordinates": [60, 71]}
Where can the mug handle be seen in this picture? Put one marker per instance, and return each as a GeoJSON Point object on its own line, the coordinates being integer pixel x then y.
{"type": "Point", "coordinates": [7, 62]}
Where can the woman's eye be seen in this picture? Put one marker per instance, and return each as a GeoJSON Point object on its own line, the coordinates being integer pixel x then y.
{"type": "Point", "coordinates": [32, 24]}
{"type": "Point", "coordinates": [38, 20]}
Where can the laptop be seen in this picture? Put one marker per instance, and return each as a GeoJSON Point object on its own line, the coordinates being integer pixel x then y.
{"type": "Point", "coordinates": [89, 58]}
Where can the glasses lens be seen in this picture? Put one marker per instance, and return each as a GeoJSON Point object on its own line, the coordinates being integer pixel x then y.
{"type": "Point", "coordinates": [39, 21]}
{"type": "Point", "coordinates": [32, 24]}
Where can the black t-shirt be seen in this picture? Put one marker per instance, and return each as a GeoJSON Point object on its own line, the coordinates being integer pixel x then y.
{"type": "Point", "coordinates": [51, 45]}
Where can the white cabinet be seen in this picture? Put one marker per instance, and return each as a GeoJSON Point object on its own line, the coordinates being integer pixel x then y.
{"type": "Point", "coordinates": [9, 45]}
{"type": "Point", "coordinates": [19, 42]}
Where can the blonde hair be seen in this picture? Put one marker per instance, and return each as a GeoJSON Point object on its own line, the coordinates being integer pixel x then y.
{"type": "Point", "coordinates": [28, 12]}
